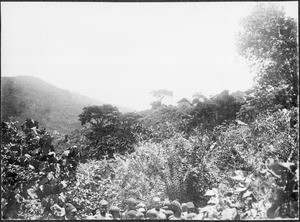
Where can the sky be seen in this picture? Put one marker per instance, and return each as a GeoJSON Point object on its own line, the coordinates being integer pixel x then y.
{"type": "Point", "coordinates": [119, 52]}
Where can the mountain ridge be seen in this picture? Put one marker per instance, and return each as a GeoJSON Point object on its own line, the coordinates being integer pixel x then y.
{"type": "Point", "coordinates": [54, 108]}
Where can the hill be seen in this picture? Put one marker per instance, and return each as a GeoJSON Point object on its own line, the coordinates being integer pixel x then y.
{"type": "Point", "coordinates": [30, 97]}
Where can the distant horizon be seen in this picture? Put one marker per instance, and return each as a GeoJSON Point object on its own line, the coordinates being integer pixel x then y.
{"type": "Point", "coordinates": [68, 90]}
{"type": "Point", "coordinates": [117, 105]}
{"type": "Point", "coordinates": [118, 53]}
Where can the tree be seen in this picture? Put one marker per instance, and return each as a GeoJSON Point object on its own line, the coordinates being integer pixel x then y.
{"type": "Point", "coordinates": [159, 95]}
{"type": "Point", "coordinates": [198, 96]}
{"type": "Point", "coordinates": [219, 109]}
{"type": "Point", "coordinates": [99, 116]}
{"type": "Point", "coordinates": [268, 41]}
{"type": "Point", "coordinates": [109, 130]}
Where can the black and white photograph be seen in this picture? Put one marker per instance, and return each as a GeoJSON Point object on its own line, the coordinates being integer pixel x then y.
{"type": "Point", "coordinates": [149, 110]}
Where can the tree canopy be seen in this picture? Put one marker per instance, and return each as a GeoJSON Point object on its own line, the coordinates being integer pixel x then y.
{"type": "Point", "coordinates": [159, 95]}
{"type": "Point", "coordinates": [268, 41]}
{"type": "Point", "coordinates": [109, 130]}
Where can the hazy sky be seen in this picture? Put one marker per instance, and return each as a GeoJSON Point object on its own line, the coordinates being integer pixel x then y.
{"type": "Point", "coordinates": [119, 52]}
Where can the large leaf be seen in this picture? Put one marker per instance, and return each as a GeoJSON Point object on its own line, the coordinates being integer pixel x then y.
{"type": "Point", "coordinates": [210, 193]}
{"type": "Point", "coordinates": [212, 212]}
{"type": "Point", "coordinates": [247, 194]}
{"type": "Point", "coordinates": [241, 122]}
{"type": "Point", "coordinates": [27, 156]}
{"type": "Point", "coordinates": [247, 181]}
{"type": "Point", "coordinates": [228, 214]}
{"type": "Point", "coordinates": [64, 183]}
{"type": "Point", "coordinates": [50, 176]}
{"type": "Point", "coordinates": [57, 210]}
{"type": "Point", "coordinates": [287, 165]}
{"type": "Point", "coordinates": [213, 200]}
{"type": "Point", "coordinates": [240, 189]}
{"type": "Point", "coordinates": [253, 213]}
{"type": "Point", "coordinates": [32, 193]}
{"type": "Point", "coordinates": [228, 193]}
{"type": "Point", "coordinates": [273, 212]}
{"type": "Point", "coordinates": [199, 216]}
{"type": "Point", "coordinates": [278, 168]}
{"type": "Point", "coordinates": [238, 175]}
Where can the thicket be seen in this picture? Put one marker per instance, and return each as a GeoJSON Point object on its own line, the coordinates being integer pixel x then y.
{"type": "Point", "coordinates": [184, 169]}
{"type": "Point", "coordinates": [33, 177]}
{"type": "Point", "coordinates": [208, 113]}
{"type": "Point", "coordinates": [164, 122]}
{"type": "Point", "coordinates": [259, 195]}
{"type": "Point", "coordinates": [201, 147]}
{"type": "Point", "coordinates": [234, 155]}
{"type": "Point", "coordinates": [174, 168]}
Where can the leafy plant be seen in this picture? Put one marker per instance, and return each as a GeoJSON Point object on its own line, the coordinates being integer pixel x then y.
{"type": "Point", "coordinates": [33, 177]}
{"type": "Point", "coordinates": [270, 193]}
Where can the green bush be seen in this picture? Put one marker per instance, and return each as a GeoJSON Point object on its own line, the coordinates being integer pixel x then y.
{"type": "Point", "coordinates": [269, 136]}
{"type": "Point", "coordinates": [253, 165]}
{"type": "Point", "coordinates": [164, 122]}
{"type": "Point", "coordinates": [175, 168]}
{"type": "Point", "coordinates": [271, 193]}
{"type": "Point", "coordinates": [33, 177]}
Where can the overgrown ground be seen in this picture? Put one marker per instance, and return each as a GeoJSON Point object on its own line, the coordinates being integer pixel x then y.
{"type": "Point", "coordinates": [235, 156]}
{"type": "Point", "coordinates": [249, 172]}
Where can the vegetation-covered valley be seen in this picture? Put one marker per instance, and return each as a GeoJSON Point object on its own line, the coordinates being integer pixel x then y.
{"type": "Point", "coordinates": [234, 155]}
{"type": "Point", "coordinates": [54, 108]}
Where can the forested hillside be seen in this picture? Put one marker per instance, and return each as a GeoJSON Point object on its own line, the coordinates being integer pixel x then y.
{"type": "Point", "coordinates": [233, 156]}
{"type": "Point", "coordinates": [29, 97]}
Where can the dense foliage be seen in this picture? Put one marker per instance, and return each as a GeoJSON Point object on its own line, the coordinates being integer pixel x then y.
{"type": "Point", "coordinates": [184, 169]}
{"type": "Point", "coordinates": [163, 122]}
{"type": "Point", "coordinates": [206, 113]}
{"type": "Point", "coordinates": [269, 136]}
{"type": "Point", "coordinates": [219, 109]}
{"type": "Point", "coordinates": [235, 156]}
{"type": "Point", "coordinates": [172, 168]}
{"type": "Point", "coordinates": [33, 178]}
{"type": "Point", "coordinates": [109, 131]}
{"type": "Point", "coordinates": [268, 41]}
{"type": "Point", "coordinates": [270, 193]}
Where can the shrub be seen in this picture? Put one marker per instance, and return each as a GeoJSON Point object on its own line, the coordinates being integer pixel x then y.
{"type": "Point", "coordinates": [270, 135]}
{"type": "Point", "coordinates": [271, 193]}
{"type": "Point", "coordinates": [33, 177]}
{"type": "Point", "coordinates": [174, 168]}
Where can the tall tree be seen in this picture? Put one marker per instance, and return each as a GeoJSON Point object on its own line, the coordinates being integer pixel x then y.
{"type": "Point", "coordinates": [162, 93]}
{"type": "Point", "coordinates": [268, 40]}
{"type": "Point", "coordinates": [109, 130]}
{"type": "Point", "coordinates": [159, 95]}
{"type": "Point", "coordinates": [99, 116]}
